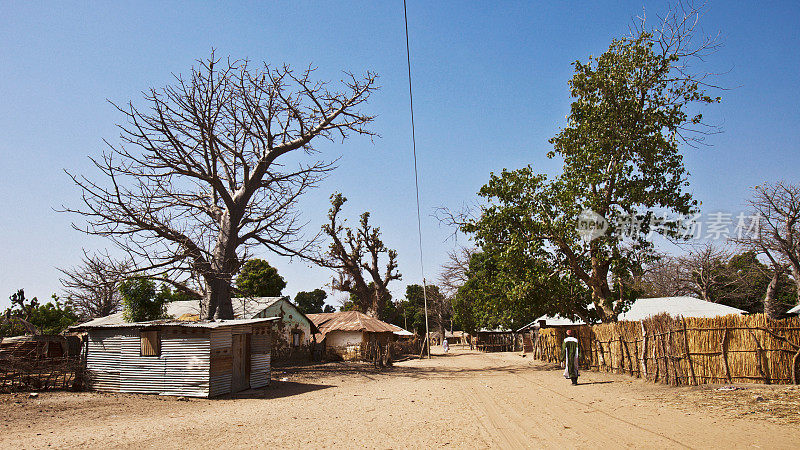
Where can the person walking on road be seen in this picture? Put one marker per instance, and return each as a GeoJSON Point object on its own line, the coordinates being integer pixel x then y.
{"type": "Point", "coordinates": [569, 350]}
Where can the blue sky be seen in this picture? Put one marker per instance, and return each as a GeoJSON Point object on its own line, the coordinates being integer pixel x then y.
{"type": "Point", "coordinates": [490, 86]}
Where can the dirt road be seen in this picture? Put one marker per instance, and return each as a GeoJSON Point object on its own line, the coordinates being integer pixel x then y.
{"type": "Point", "coordinates": [464, 400]}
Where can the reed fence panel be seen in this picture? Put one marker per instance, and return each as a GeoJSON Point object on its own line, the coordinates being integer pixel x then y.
{"type": "Point", "coordinates": [686, 351]}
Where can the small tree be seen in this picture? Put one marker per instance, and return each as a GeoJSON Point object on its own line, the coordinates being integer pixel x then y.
{"type": "Point", "coordinates": [439, 308]}
{"type": "Point", "coordinates": [141, 301]}
{"type": "Point", "coordinates": [92, 287]}
{"type": "Point", "coordinates": [355, 255]}
{"type": "Point", "coordinates": [28, 316]}
{"type": "Point", "coordinates": [312, 302]}
{"type": "Point", "coordinates": [453, 274]}
{"type": "Point", "coordinates": [703, 272]}
{"type": "Point", "coordinates": [259, 279]}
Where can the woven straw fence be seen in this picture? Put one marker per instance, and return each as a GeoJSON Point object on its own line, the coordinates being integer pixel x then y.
{"type": "Point", "coordinates": [686, 351]}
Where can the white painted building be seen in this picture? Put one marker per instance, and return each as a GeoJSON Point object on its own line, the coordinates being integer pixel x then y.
{"type": "Point", "coordinates": [647, 307]}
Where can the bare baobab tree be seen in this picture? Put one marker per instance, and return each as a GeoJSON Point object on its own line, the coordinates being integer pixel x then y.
{"type": "Point", "coordinates": [453, 274]}
{"type": "Point", "coordinates": [356, 256]}
{"type": "Point", "coordinates": [703, 271]}
{"type": "Point", "coordinates": [92, 286]}
{"type": "Point", "coordinates": [775, 234]}
{"type": "Point", "coordinates": [194, 182]}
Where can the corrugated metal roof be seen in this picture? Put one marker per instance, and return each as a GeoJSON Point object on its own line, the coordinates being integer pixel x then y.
{"type": "Point", "coordinates": [647, 307]}
{"type": "Point", "coordinates": [795, 310]}
{"type": "Point", "coordinates": [243, 308]}
{"type": "Point", "coordinates": [173, 323]}
{"type": "Point", "coordinates": [677, 306]}
{"type": "Point", "coordinates": [350, 321]}
{"type": "Point", "coordinates": [454, 334]}
{"type": "Point", "coordinates": [555, 321]}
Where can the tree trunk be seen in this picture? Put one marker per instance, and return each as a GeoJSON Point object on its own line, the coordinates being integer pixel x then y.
{"type": "Point", "coordinates": [222, 270]}
{"type": "Point", "coordinates": [218, 299]}
{"type": "Point", "coordinates": [796, 278]}
{"type": "Point", "coordinates": [601, 297]}
{"type": "Point", "coordinates": [770, 305]}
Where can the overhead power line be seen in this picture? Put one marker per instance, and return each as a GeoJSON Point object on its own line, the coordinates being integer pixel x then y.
{"type": "Point", "coordinates": [416, 183]}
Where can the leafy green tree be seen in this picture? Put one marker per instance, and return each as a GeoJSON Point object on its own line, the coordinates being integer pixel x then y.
{"type": "Point", "coordinates": [621, 160]}
{"type": "Point", "coordinates": [141, 301]}
{"type": "Point", "coordinates": [27, 316]}
{"type": "Point", "coordinates": [311, 302]}
{"type": "Point", "coordinates": [503, 292]}
{"type": "Point", "coordinates": [258, 279]}
{"type": "Point", "coordinates": [412, 309]}
{"type": "Point", "coordinates": [350, 304]}
{"type": "Point", "coordinates": [388, 312]}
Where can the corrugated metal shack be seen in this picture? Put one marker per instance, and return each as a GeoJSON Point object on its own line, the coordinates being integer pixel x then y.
{"type": "Point", "coordinates": [197, 359]}
{"type": "Point", "coordinates": [292, 335]}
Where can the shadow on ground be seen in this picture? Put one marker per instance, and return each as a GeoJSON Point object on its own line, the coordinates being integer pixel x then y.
{"type": "Point", "coordinates": [321, 371]}
{"type": "Point", "coordinates": [276, 389]}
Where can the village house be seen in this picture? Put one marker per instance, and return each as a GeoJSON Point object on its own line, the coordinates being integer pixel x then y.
{"type": "Point", "coordinates": [457, 337]}
{"type": "Point", "coordinates": [494, 340]}
{"type": "Point", "coordinates": [168, 357]}
{"type": "Point", "coordinates": [293, 332]}
{"type": "Point", "coordinates": [347, 335]}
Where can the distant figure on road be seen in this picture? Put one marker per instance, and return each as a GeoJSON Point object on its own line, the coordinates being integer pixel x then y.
{"type": "Point", "coordinates": [569, 350]}
{"type": "Point", "coordinates": [445, 345]}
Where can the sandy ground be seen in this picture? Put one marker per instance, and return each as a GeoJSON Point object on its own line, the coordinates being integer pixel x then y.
{"type": "Point", "coordinates": [464, 399]}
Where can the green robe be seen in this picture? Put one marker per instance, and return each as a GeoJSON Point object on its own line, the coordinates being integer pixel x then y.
{"type": "Point", "coordinates": [569, 351]}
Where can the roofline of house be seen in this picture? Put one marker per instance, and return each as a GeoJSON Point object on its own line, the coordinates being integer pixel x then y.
{"type": "Point", "coordinates": [176, 324]}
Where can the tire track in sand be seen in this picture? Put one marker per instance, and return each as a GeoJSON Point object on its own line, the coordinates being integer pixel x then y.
{"type": "Point", "coordinates": [506, 431]}
{"type": "Point", "coordinates": [566, 400]}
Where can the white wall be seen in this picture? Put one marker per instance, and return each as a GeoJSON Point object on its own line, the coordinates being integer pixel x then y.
{"type": "Point", "coordinates": [343, 338]}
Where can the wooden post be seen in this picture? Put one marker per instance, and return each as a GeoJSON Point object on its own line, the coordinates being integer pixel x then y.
{"type": "Point", "coordinates": [667, 356]}
{"type": "Point", "coordinates": [795, 360]}
{"type": "Point", "coordinates": [655, 357]}
{"type": "Point", "coordinates": [602, 354]}
{"type": "Point", "coordinates": [725, 355]}
{"type": "Point", "coordinates": [628, 351]}
{"type": "Point", "coordinates": [688, 355]}
{"type": "Point", "coordinates": [762, 370]}
{"type": "Point", "coordinates": [644, 351]}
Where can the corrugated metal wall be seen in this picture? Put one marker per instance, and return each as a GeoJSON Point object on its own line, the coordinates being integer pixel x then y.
{"type": "Point", "coordinates": [260, 359]}
{"type": "Point", "coordinates": [193, 362]}
{"type": "Point", "coordinates": [102, 360]}
{"type": "Point", "coordinates": [188, 358]}
{"type": "Point", "coordinates": [221, 360]}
